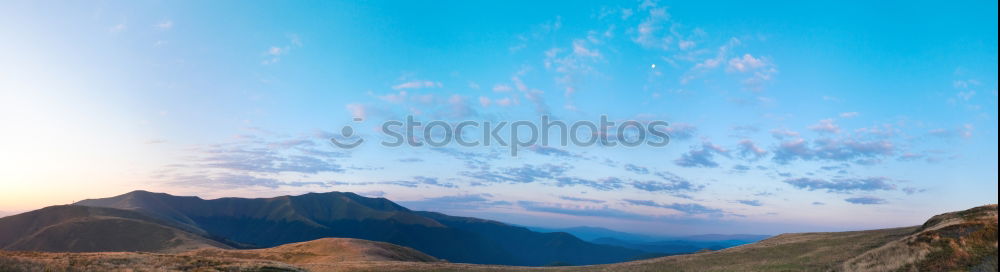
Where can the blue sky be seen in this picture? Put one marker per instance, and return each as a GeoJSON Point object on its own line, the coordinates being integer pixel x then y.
{"type": "Point", "coordinates": [785, 116]}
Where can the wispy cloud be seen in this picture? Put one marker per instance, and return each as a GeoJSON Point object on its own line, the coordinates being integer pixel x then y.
{"type": "Point", "coordinates": [866, 200]}
{"type": "Point", "coordinates": [843, 185]}
{"type": "Point", "coordinates": [687, 208]}
{"type": "Point", "coordinates": [702, 156]}
{"type": "Point", "coordinates": [417, 84]}
{"type": "Point", "coordinates": [164, 25]}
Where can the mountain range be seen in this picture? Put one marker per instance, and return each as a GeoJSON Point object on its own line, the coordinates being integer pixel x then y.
{"type": "Point", "coordinates": [113, 239]}
{"type": "Point", "coordinates": [659, 245]}
{"type": "Point", "coordinates": [184, 222]}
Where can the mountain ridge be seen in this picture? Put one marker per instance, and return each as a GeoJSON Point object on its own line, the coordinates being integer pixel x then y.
{"type": "Point", "coordinates": [73, 228]}
{"type": "Point", "coordinates": [269, 222]}
{"type": "Point", "coordinates": [958, 241]}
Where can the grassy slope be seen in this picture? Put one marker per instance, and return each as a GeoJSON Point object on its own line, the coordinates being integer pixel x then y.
{"type": "Point", "coordinates": [329, 254]}
{"type": "Point", "coordinates": [70, 228]}
{"type": "Point", "coordinates": [959, 241]}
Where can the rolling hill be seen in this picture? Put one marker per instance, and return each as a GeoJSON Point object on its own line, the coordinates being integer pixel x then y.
{"type": "Point", "coordinates": [323, 254]}
{"type": "Point", "coordinates": [69, 228]}
{"type": "Point", "coordinates": [269, 222]}
{"type": "Point", "coordinates": [958, 241]}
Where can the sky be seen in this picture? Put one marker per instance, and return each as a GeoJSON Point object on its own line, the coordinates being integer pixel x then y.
{"type": "Point", "coordinates": [784, 116]}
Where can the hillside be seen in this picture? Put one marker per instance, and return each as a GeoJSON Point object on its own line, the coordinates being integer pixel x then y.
{"type": "Point", "coordinates": [965, 240]}
{"type": "Point", "coordinates": [536, 248]}
{"type": "Point", "coordinates": [959, 241]}
{"type": "Point", "coordinates": [269, 222]}
{"type": "Point", "coordinates": [323, 251]}
{"type": "Point", "coordinates": [86, 229]}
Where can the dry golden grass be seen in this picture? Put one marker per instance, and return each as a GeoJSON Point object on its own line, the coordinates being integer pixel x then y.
{"type": "Point", "coordinates": [324, 251]}
{"type": "Point", "coordinates": [130, 261]}
{"type": "Point", "coordinates": [965, 240]}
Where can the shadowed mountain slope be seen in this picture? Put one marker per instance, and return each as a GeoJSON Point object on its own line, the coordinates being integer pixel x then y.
{"type": "Point", "coordinates": [70, 228]}
{"type": "Point", "coordinates": [268, 222]}
{"type": "Point", "coordinates": [960, 241]}
{"type": "Point", "coordinates": [537, 248]}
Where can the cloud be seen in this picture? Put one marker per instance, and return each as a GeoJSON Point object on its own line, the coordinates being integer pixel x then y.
{"type": "Point", "coordinates": [965, 131]}
{"type": "Point", "coordinates": [551, 151]}
{"type": "Point", "coordinates": [232, 181]}
{"type": "Point", "coordinates": [701, 156]}
{"type": "Point", "coordinates": [571, 65]}
{"type": "Point", "coordinates": [676, 181]}
{"type": "Point", "coordinates": [755, 203]}
{"type": "Point", "coordinates": [747, 149]}
{"type": "Point", "coordinates": [453, 202]}
{"type": "Point", "coordinates": [760, 70]}
{"type": "Point", "coordinates": [472, 160]}
{"type": "Point", "coordinates": [866, 200]}
{"type": "Point", "coordinates": [164, 25]}
{"type": "Point", "coordinates": [656, 30]}
{"type": "Point", "coordinates": [530, 173]}
{"type": "Point", "coordinates": [825, 126]}
{"type": "Point", "coordinates": [419, 84]}
{"type": "Point", "coordinates": [581, 199]}
{"type": "Point", "coordinates": [578, 210]}
{"type": "Point", "coordinates": [433, 182]}
{"type": "Point", "coordinates": [783, 133]}
{"type": "Point", "coordinates": [274, 53]}
{"type": "Point", "coordinates": [460, 107]}
{"type": "Point", "coordinates": [261, 157]}
{"type": "Point", "coordinates": [912, 190]}
{"type": "Point", "coordinates": [253, 160]}
{"type": "Point", "coordinates": [746, 64]}
{"type": "Point", "coordinates": [605, 184]}
{"type": "Point", "coordinates": [357, 110]}
{"type": "Point", "coordinates": [502, 88]}
{"type": "Point", "coordinates": [660, 186]}
{"type": "Point", "coordinates": [535, 97]}
{"type": "Point", "coordinates": [745, 129]}
{"type": "Point", "coordinates": [831, 149]}
{"type": "Point", "coordinates": [687, 208]}
{"type": "Point", "coordinates": [524, 174]}
{"type": "Point", "coordinates": [704, 66]}
{"type": "Point", "coordinates": [636, 169]}
{"type": "Point", "coordinates": [849, 114]}
{"type": "Point", "coordinates": [680, 131]}
{"type": "Point", "coordinates": [648, 32]}
{"type": "Point", "coordinates": [843, 185]}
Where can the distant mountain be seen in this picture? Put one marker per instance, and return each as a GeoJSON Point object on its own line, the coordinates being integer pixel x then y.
{"type": "Point", "coordinates": [538, 248]}
{"type": "Point", "coordinates": [268, 222]}
{"type": "Point", "coordinates": [958, 241]}
{"type": "Point", "coordinates": [664, 247]}
{"type": "Point", "coordinates": [85, 229]}
{"type": "Point", "coordinates": [681, 245]}
{"type": "Point", "coordinates": [658, 244]}
{"type": "Point", "coordinates": [745, 238]}
{"type": "Point", "coordinates": [591, 233]}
